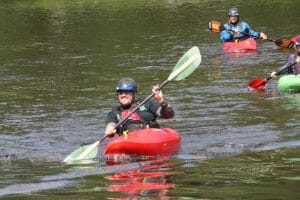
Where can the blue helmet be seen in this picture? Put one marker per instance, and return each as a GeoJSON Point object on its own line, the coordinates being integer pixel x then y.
{"type": "Point", "coordinates": [233, 12]}
{"type": "Point", "coordinates": [127, 84]}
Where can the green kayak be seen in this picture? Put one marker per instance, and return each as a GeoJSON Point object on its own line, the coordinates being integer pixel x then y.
{"type": "Point", "coordinates": [289, 82]}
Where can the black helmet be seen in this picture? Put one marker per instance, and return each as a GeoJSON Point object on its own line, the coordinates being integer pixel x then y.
{"type": "Point", "coordinates": [233, 12]}
{"type": "Point", "coordinates": [127, 84]}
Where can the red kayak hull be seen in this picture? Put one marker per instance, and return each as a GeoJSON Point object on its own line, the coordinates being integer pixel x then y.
{"type": "Point", "coordinates": [145, 142]}
{"type": "Point", "coordinates": [243, 45]}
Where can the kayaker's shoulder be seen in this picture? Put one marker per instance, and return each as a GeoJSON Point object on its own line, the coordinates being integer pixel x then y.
{"type": "Point", "coordinates": [227, 26]}
{"type": "Point", "coordinates": [244, 24]}
{"type": "Point", "coordinates": [150, 101]}
{"type": "Point", "coordinates": [292, 57]}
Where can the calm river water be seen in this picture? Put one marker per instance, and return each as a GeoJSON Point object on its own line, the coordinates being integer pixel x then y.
{"type": "Point", "coordinates": [59, 64]}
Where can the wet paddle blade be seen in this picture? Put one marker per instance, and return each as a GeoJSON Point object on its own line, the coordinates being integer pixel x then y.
{"type": "Point", "coordinates": [186, 64]}
{"type": "Point", "coordinates": [284, 43]}
{"type": "Point", "coordinates": [257, 84]}
{"type": "Point", "coordinates": [86, 152]}
{"type": "Point", "coordinates": [214, 26]}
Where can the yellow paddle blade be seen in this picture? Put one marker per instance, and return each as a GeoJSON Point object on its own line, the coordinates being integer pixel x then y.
{"type": "Point", "coordinates": [215, 26]}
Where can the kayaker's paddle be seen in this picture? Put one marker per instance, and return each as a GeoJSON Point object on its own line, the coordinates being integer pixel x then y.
{"type": "Point", "coordinates": [259, 84]}
{"type": "Point", "coordinates": [217, 27]}
{"type": "Point", "coordinates": [184, 67]}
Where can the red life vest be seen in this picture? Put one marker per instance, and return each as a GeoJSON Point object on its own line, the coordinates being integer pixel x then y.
{"type": "Point", "coordinates": [135, 116]}
{"type": "Point", "coordinates": [134, 122]}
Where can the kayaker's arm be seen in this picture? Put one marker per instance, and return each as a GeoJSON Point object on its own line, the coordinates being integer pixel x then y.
{"type": "Point", "coordinates": [248, 31]}
{"type": "Point", "coordinates": [226, 36]}
{"type": "Point", "coordinates": [165, 110]}
{"type": "Point", "coordinates": [254, 34]}
{"type": "Point", "coordinates": [298, 59]}
{"type": "Point", "coordinates": [282, 70]}
{"type": "Point", "coordinates": [110, 129]}
{"type": "Point", "coordinates": [286, 68]}
{"type": "Point", "coordinates": [111, 122]}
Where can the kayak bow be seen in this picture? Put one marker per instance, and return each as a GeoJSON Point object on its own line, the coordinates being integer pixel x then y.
{"type": "Point", "coordinates": [145, 142]}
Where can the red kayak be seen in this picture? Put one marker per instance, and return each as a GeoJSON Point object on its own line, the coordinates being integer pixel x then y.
{"type": "Point", "coordinates": [239, 46]}
{"type": "Point", "coordinates": [145, 142]}
{"type": "Point", "coordinates": [294, 38]}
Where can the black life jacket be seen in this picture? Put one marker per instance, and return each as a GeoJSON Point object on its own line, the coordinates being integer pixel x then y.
{"type": "Point", "coordinates": [134, 122]}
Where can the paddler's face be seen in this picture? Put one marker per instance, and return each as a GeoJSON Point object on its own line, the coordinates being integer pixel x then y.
{"type": "Point", "coordinates": [233, 19]}
{"type": "Point", "coordinates": [126, 97]}
{"type": "Point", "coordinates": [298, 50]}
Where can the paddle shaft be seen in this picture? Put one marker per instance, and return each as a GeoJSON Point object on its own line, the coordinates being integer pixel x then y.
{"type": "Point", "coordinates": [173, 75]}
{"type": "Point", "coordinates": [221, 29]}
{"type": "Point", "coordinates": [258, 83]}
{"type": "Point", "coordinates": [247, 34]}
{"type": "Point", "coordinates": [140, 104]}
{"type": "Point", "coordinates": [280, 71]}
{"type": "Point", "coordinates": [137, 107]}
{"type": "Point", "coordinates": [214, 26]}
{"type": "Point", "coordinates": [123, 120]}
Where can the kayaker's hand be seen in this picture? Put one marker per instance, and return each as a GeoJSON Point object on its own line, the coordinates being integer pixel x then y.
{"type": "Point", "coordinates": [263, 36]}
{"type": "Point", "coordinates": [233, 32]}
{"type": "Point", "coordinates": [158, 94]}
{"type": "Point", "coordinates": [273, 74]}
{"type": "Point", "coordinates": [110, 129]}
{"type": "Point", "coordinates": [222, 28]}
{"type": "Point", "coordinates": [298, 59]}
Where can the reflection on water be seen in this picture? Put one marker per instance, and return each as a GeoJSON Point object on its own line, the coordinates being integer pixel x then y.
{"type": "Point", "coordinates": [261, 175]}
{"type": "Point", "coordinates": [153, 180]}
{"type": "Point", "coordinates": [250, 175]}
{"type": "Point", "coordinates": [60, 61]}
{"type": "Point", "coordinates": [145, 178]}
{"type": "Point", "coordinates": [28, 188]}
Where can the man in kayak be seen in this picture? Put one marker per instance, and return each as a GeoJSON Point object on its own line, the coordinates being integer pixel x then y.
{"type": "Point", "coordinates": [144, 117]}
{"type": "Point", "coordinates": [236, 30]}
{"type": "Point", "coordinates": [292, 59]}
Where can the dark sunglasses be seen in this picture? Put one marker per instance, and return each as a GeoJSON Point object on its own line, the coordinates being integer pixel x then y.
{"type": "Point", "coordinates": [124, 92]}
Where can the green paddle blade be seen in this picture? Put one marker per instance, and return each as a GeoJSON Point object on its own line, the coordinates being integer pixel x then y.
{"type": "Point", "coordinates": [83, 153]}
{"type": "Point", "coordinates": [186, 64]}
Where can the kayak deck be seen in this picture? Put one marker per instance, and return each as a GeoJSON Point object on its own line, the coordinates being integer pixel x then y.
{"type": "Point", "coordinates": [289, 82]}
{"type": "Point", "coordinates": [240, 46]}
{"type": "Point", "coordinates": [145, 142]}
